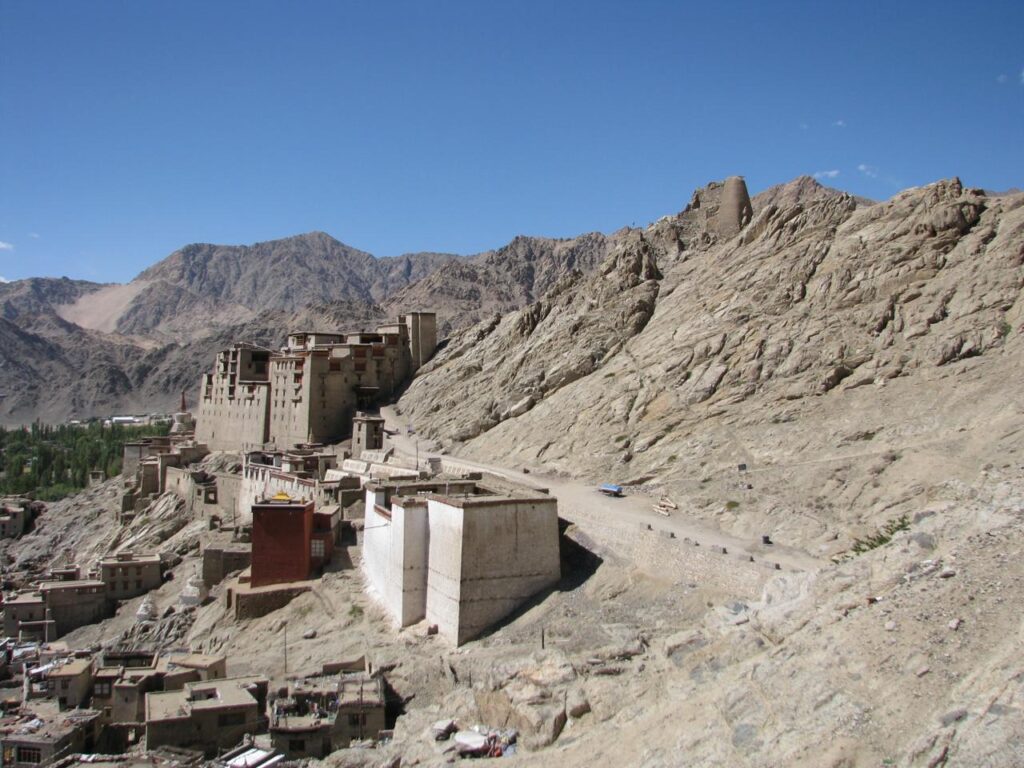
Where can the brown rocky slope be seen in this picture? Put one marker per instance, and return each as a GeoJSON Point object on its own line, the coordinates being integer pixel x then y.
{"type": "Point", "coordinates": [823, 334]}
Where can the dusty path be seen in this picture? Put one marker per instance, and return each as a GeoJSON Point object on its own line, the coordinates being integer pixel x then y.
{"type": "Point", "coordinates": [578, 501]}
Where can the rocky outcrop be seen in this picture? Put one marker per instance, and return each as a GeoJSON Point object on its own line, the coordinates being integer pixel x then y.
{"type": "Point", "coordinates": [500, 370]}
{"type": "Point", "coordinates": [818, 309]}
{"type": "Point", "coordinates": [467, 291]}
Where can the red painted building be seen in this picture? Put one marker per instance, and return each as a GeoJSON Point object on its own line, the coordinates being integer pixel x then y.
{"type": "Point", "coordinates": [282, 535]}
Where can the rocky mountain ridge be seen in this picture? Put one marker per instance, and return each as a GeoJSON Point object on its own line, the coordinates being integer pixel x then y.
{"type": "Point", "coordinates": [688, 352]}
{"type": "Point", "coordinates": [77, 349]}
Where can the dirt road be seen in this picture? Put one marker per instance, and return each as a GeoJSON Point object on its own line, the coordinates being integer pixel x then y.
{"type": "Point", "coordinates": [578, 501]}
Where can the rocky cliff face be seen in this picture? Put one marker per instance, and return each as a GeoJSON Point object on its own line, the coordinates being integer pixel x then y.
{"type": "Point", "coordinates": [821, 329]}
{"type": "Point", "coordinates": [467, 291]}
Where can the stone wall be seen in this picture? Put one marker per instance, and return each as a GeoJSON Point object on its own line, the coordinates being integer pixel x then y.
{"type": "Point", "coordinates": [221, 560]}
{"type": "Point", "coordinates": [229, 495]}
{"type": "Point", "coordinates": [377, 546]}
{"type": "Point", "coordinates": [509, 554]}
{"type": "Point", "coordinates": [254, 604]}
{"type": "Point", "coordinates": [233, 423]}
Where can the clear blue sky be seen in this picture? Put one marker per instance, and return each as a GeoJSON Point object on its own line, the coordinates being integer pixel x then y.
{"type": "Point", "coordinates": [128, 129]}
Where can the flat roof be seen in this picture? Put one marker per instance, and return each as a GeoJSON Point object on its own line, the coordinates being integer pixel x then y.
{"type": "Point", "coordinates": [469, 502]}
{"type": "Point", "coordinates": [195, 660]}
{"type": "Point", "coordinates": [72, 668]}
{"type": "Point", "coordinates": [282, 499]}
{"type": "Point", "coordinates": [360, 689]}
{"type": "Point", "coordinates": [44, 729]}
{"type": "Point", "coordinates": [229, 692]}
{"type": "Point", "coordinates": [72, 584]}
{"type": "Point", "coordinates": [24, 597]}
{"type": "Point", "coordinates": [132, 560]}
{"type": "Point", "coordinates": [415, 483]}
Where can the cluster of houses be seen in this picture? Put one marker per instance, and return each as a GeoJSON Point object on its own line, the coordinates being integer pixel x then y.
{"type": "Point", "coordinates": [55, 702]}
{"type": "Point", "coordinates": [454, 552]}
{"type": "Point", "coordinates": [64, 600]}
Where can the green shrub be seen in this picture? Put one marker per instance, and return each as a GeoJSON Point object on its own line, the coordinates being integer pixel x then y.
{"type": "Point", "coordinates": [884, 535]}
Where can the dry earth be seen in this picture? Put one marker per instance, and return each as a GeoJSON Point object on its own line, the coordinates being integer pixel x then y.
{"type": "Point", "coordinates": [863, 362]}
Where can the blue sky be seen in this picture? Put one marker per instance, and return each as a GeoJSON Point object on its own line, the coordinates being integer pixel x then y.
{"type": "Point", "coordinates": [128, 129]}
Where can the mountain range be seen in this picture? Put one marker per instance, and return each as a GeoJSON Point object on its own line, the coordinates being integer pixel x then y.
{"type": "Point", "coordinates": [75, 349]}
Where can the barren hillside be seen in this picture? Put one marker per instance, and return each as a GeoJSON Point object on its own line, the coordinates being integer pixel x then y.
{"type": "Point", "coordinates": [851, 342]}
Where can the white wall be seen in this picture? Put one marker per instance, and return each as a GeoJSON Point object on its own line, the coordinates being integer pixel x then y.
{"type": "Point", "coordinates": [377, 561]}
{"type": "Point", "coordinates": [444, 575]}
{"type": "Point", "coordinates": [461, 569]}
{"type": "Point", "coordinates": [509, 554]}
{"type": "Point", "coordinates": [415, 544]}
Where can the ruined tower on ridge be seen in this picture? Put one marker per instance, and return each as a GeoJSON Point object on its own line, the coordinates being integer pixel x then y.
{"type": "Point", "coordinates": [734, 208]}
{"type": "Point", "coordinates": [722, 208]}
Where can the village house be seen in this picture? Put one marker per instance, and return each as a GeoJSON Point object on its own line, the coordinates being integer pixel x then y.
{"type": "Point", "coordinates": [25, 617]}
{"type": "Point", "coordinates": [15, 515]}
{"type": "Point", "coordinates": [323, 713]}
{"type": "Point", "coordinates": [123, 680]}
{"type": "Point", "coordinates": [223, 558]}
{"type": "Point", "coordinates": [146, 465]}
{"type": "Point", "coordinates": [73, 604]}
{"type": "Point", "coordinates": [55, 608]}
{"type": "Point", "coordinates": [308, 391]}
{"type": "Point", "coordinates": [127, 574]}
{"type": "Point", "coordinates": [207, 716]}
{"type": "Point", "coordinates": [367, 434]}
{"type": "Point", "coordinates": [71, 683]}
{"type": "Point", "coordinates": [35, 738]}
{"type": "Point", "coordinates": [460, 555]}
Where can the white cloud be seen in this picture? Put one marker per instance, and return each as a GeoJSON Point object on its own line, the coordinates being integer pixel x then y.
{"type": "Point", "coordinates": [1002, 79]}
{"type": "Point", "coordinates": [825, 174]}
{"type": "Point", "coordinates": [4, 279]}
{"type": "Point", "coordinates": [34, 235]}
{"type": "Point", "coordinates": [839, 123]}
{"type": "Point", "coordinates": [868, 170]}
{"type": "Point", "coordinates": [6, 246]}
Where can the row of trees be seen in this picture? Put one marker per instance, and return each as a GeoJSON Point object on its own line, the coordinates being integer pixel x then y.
{"type": "Point", "coordinates": [52, 462]}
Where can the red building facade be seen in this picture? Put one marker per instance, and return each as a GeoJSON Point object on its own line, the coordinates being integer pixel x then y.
{"type": "Point", "coordinates": [282, 532]}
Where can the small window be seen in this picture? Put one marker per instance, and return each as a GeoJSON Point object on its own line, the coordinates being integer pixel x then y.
{"type": "Point", "coordinates": [296, 745]}
{"type": "Point", "coordinates": [30, 755]}
{"type": "Point", "coordinates": [138, 583]}
{"type": "Point", "coordinates": [357, 719]}
{"type": "Point", "coordinates": [231, 718]}
{"type": "Point", "coordinates": [316, 548]}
